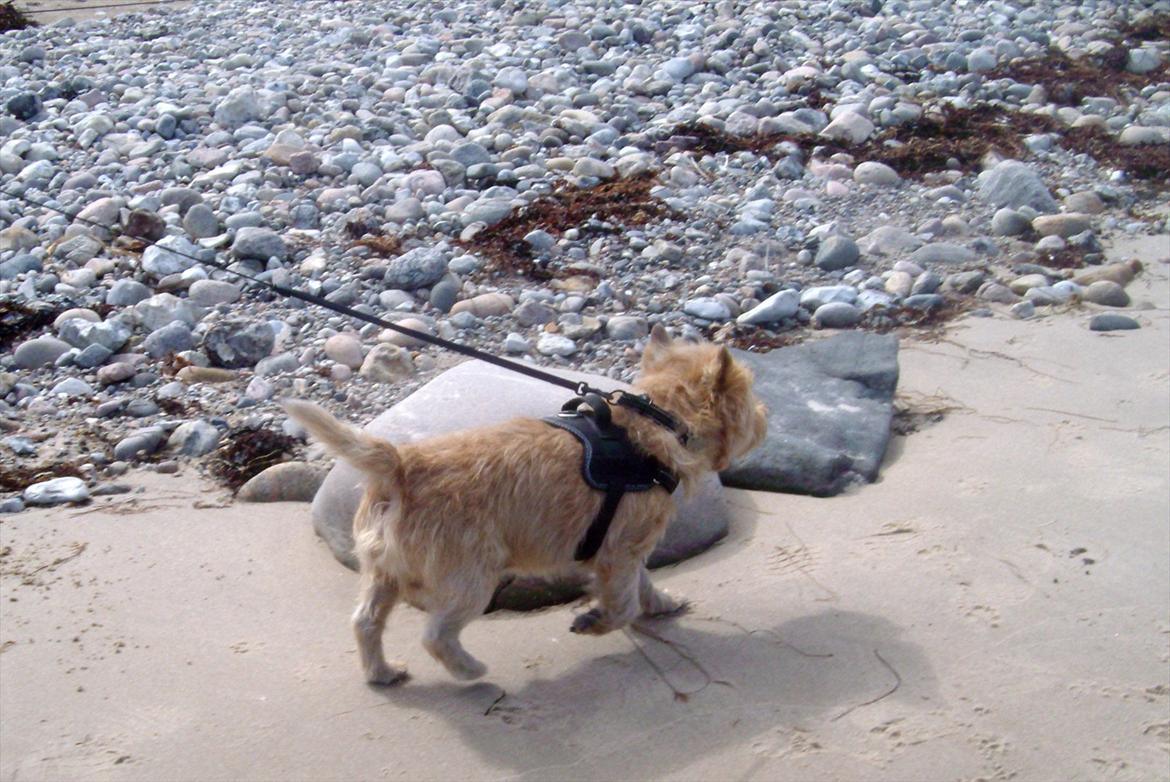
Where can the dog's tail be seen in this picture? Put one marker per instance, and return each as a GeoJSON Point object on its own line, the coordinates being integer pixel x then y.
{"type": "Point", "coordinates": [375, 457]}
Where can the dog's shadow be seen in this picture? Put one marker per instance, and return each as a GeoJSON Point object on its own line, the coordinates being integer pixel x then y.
{"type": "Point", "coordinates": [686, 688]}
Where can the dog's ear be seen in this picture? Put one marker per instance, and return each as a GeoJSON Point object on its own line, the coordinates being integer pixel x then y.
{"type": "Point", "coordinates": [720, 370]}
{"type": "Point", "coordinates": [657, 345]}
{"type": "Point", "coordinates": [659, 336]}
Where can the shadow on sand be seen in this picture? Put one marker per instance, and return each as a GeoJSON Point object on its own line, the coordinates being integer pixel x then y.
{"type": "Point", "coordinates": [719, 683]}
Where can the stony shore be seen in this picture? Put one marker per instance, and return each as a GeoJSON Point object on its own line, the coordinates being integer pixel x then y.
{"type": "Point", "coordinates": [544, 182]}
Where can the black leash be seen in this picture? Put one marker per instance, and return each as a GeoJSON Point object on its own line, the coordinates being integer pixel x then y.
{"type": "Point", "coordinates": [639, 403]}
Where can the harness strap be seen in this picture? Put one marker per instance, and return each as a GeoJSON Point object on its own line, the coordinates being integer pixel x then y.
{"type": "Point", "coordinates": [610, 464]}
{"type": "Point", "coordinates": [595, 535]}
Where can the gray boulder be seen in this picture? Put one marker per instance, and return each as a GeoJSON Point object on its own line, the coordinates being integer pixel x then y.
{"type": "Point", "coordinates": [259, 244]}
{"type": "Point", "coordinates": [81, 333]}
{"type": "Point", "coordinates": [1112, 321]}
{"type": "Point", "coordinates": [942, 252]}
{"type": "Point", "coordinates": [448, 403]}
{"type": "Point", "coordinates": [773, 309]}
{"type": "Point", "coordinates": [417, 268]}
{"type": "Point", "coordinates": [170, 255]}
{"type": "Point", "coordinates": [284, 482]}
{"type": "Point", "coordinates": [174, 337]}
{"type": "Point", "coordinates": [56, 491]}
{"type": "Point", "coordinates": [1014, 184]}
{"type": "Point", "coordinates": [39, 352]}
{"type": "Point", "coordinates": [830, 406]}
{"type": "Point", "coordinates": [236, 344]}
{"type": "Point", "coordinates": [194, 438]}
{"type": "Point", "coordinates": [124, 293]}
{"type": "Point", "coordinates": [836, 252]}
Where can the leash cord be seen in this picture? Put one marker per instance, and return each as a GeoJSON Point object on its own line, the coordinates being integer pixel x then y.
{"type": "Point", "coordinates": [638, 403]}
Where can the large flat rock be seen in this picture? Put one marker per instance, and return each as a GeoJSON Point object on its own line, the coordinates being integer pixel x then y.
{"type": "Point", "coordinates": [830, 403]}
{"type": "Point", "coordinates": [478, 394]}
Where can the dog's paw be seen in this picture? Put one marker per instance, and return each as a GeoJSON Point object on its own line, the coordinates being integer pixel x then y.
{"type": "Point", "coordinates": [468, 669]}
{"type": "Point", "coordinates": [666, 607]}
{"type": "Point", "coordinates": [590, 623]}
{"type": "Point", "coordinates": [385, 675]}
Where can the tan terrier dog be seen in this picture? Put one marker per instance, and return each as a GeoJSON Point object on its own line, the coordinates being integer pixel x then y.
{"type": "Point", "coordinates": [443, 519]}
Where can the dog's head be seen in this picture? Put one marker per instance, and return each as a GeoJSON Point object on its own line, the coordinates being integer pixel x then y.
{"type": "Point", "coordinates": [711, 390]}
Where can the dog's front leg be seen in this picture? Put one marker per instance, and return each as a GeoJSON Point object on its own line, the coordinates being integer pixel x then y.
{"type": "Point", "coordinates": [617, 599]}
{"type": "Point", "coordinates": [655, 602]}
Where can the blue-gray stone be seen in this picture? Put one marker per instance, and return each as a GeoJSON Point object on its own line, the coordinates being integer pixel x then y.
{"type": "Point", "coordinates": [236, 344]}
{"type": "Point", "coordinates": [166, 126]}
{"type": "Point", "coordinates": [38, 352]}
{"type": "Point", "coordinates": [142, 442]}
{"type": "Point", "coordinates": [773, 309]}
{"type": "Point", "coordinates": [277, 365]}
{"type": "Point", "coordinates": [80, 333]}
{"type": "Point", "coordinates": [182, 197]}
{"type": "Point", "coordinates": [626, 328]}
{"type": "Point", "coordinates": [707, 308]}
{"type": "Point", "coordinates": [19, 264]}
{"type": "Point", "coordinates": [92, 356]}
{"type": "Point", "coordinates": [200, 222]}
{"type": "Point", "coordinates": [812, 298]}
{"type": "Point", "coordinates": [830, 407]}
{"type": "Point", "coordinates": [417, 268]}
{"type": "Point", "coordinates": [1014, 184]}
{"type": "Point", "coordinates": [71, 386]}
{"type": "Point", "coordinates": [259, 243]}
{"type": "Point", "coordinates": [927, 282]}
{"type": "Point", "coordinates": [924, 301]}
{"type": "Point", "coordinates": [1112, 321]}
{"type": "Point", "coordinates": [836, 252]}
{"type": "Point", "coordinates": [469, 153]}
{"type": "Point", "coordinates": [141, 408]}
{"type": "Point", "coordinates": [837, 315]}
{"type": "Point", "coordinates": [534, 313]}
{"type": "Point", "coordinates": [24, 105]}
{"type": "Point", "coordinates": [21, 446]}
{"type": "Point", "coordinates": [194, 438]}
{"type": "Point", "coordinates": [942, 252]}
{"type": "Point", "coordinates": [170, 255]}
{"type": "Point", "coordinates": [1008, 222]}
{"type": "Point", "coordinates": [445, 292]}
{"type": "Point", "coordinates": [124, 293]}
{"type": "Point", "coordinates": [174, 337]}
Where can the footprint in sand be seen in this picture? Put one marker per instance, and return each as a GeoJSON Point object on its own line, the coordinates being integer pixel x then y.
{"type": "Point", "coordinates": [791, 559]}
{"type": "Point", "coordinates": [983, 613]}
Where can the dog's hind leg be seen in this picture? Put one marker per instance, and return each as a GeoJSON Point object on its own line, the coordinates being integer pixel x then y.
{"type": "Point", "coordinates": [655, 602]}
{"type": "Point", "coordinates": [617, 598]}
{"type": "Point", "coordinates": [458, 600]}
{"type": "Point", "coordinates": [378, 596]}
{"type": "Point", "coordinates": [441, 639]}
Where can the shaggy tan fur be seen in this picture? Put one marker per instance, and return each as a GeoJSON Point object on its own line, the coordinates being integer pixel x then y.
{"type": "Point", "coordinates": [443, 519]}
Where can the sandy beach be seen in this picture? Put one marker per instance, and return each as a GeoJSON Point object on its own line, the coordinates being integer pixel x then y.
{"type": "Point", "coordinates": [997, 606]}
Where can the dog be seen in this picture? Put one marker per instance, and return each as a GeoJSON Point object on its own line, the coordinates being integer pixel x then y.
{"type": "Point", "coordinates": [442, 520]}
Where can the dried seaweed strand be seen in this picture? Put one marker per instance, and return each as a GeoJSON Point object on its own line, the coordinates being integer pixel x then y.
{"type": "Point", "coordinates": [78, 550]}
{"type": "Point", "coordinates": [683, 652]}
{"type": "Point", "coordinates": [496, 702]}
{"type": "Point", "coordinates": [884, 695]}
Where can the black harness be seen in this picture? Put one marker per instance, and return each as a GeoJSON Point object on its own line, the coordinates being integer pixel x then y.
{"type": "Point", "coordinates": [611, 463]}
